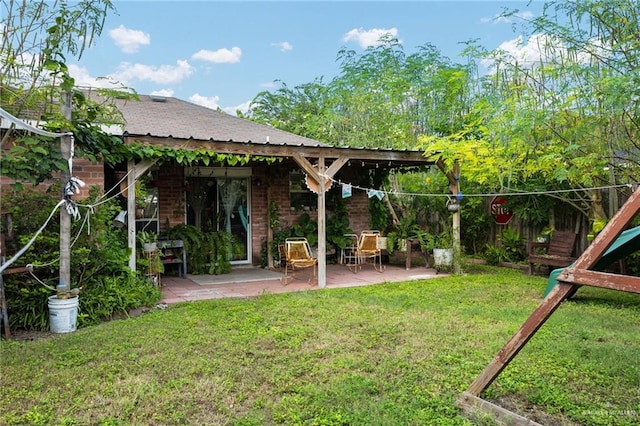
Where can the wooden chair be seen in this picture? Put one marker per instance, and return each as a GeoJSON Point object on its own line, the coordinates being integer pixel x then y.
{"type": "Point", "coordinates": [282, 256]}
{"type": "Point", "coordinates": [369, 250]}
{"type": "Point", "coordinates": [298, 256]}
{"type": "Point", "coordinates": [557, 252]}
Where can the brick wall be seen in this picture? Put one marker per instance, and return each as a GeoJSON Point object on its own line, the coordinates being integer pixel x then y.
{"type": "Point", "coordinates": [358, 206]}
{"type": "Point", "coordinates": [90, 172]}
{"type": "Point", "coordinates": [171, 198]}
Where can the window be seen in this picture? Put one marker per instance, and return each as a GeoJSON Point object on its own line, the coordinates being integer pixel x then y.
{"type": "Point", "coordinates": [301, 198]}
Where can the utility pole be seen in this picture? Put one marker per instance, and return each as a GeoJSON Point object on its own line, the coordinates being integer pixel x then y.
{"type": "Point", "coordinates": [64, 282]}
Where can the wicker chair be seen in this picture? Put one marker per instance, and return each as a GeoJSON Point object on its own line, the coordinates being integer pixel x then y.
{"type": "Point", "coordinates": [369, 251]}
{"type": "Point", "coordinates": [298, 256]}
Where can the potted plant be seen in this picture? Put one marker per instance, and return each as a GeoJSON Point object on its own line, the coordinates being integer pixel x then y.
{"type": "Point", "coordinates": [148, 240]}
{"type": "Point", "coordinates": [405, 228]}
{"type": "Point", "coordinates": [443, 249]}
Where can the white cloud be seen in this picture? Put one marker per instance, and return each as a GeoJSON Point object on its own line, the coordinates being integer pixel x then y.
{"type": "Point", "coordinates": [541, 49]}
{"type": "Point", "coordinates": [269, 85]}
{"type": "Point", "coordinates": [129, 40]}
{"type": "Point", "coordinates": [213, 103]}
{"type": "Point", "coordinates": [209, 102]}
{"type": "Point", "coordinates": [220, 56]}
{"type": "Point", "coordinates": [167, 93]}
{"type": "Point", "coordinates": [164, 74]}
{"type": "Point", "coordinates": [84, 79]}
{"type": "Point", "coordinates": [243, 107]}
{"type": "Point", "coordinates": [284, 46]}
{"type": "Point", "coordinates": [366, 38]}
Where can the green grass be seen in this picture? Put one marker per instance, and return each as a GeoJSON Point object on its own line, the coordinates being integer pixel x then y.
{"type": "Point", "coordinates": [391, 354]}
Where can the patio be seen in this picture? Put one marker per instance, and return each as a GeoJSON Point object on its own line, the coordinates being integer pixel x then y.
{"type": "Point", "coordinates": [247, 281]}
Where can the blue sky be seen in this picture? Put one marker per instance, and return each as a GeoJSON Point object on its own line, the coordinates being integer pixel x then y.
{"type": "Point", "coordinates": [222, 53]}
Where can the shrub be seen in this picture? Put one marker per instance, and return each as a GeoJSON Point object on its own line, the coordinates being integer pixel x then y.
{"type": "Point", "coordinates": [99, 259]}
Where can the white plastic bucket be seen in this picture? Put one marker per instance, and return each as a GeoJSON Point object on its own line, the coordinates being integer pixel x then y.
{"type": "Point", "coordinates": [442, 257]}
{"type": "Point", "coordinates": [63, 314]}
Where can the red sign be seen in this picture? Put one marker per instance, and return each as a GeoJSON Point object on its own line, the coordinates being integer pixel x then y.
{"type": "Point", "coordinates": [500, 214]}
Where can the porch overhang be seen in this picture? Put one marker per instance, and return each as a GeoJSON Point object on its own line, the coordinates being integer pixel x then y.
{"type": "Point", "coordinates": [321, 162]}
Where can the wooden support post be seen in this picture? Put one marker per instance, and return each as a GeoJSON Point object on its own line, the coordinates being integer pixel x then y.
{"type": "Point", "coordinates": [322, 220]}
{"type": "Point", "coordinates": [269, 229]}
{"type": "Point", "coordinates": [131, 212]}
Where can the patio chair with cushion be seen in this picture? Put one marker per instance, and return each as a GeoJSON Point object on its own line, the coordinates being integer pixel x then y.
{"type": "Point", "coordinates": [298, 256]}
{"type": "Point", "coordinates": [369, 250]}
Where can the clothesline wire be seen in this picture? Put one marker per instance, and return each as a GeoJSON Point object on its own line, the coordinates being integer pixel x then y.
{"type": "Point", "coordinates": [512, 193]}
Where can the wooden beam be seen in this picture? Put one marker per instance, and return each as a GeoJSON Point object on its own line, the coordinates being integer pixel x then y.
{"type": "Point", "coordinates": [142, 167]}
{"type": "Point", "coordinates": [471, 405]}
{"type": "Point", "coordinates": [307, 167]}
{"type": "Point", "coordinates": [520, 338]}
{"type": "Point", "coordinates": [336, 166]}
{"type": "Point", "coordinates": [131, 213]}
{"type": "Point", "coordinates": [600, 279]}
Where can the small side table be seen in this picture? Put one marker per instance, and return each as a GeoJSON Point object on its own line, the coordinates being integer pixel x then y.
{"type": "Point", "coordinates": [349, 254]}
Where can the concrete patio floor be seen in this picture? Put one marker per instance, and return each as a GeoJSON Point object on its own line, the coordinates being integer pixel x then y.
{"type": "Point", "coordinates": [248, 281]}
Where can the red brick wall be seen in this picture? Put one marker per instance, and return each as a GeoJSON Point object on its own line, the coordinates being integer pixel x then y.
{"type": "Point", "coordinates": [90, 172]}
{"type": "Point", "coordinates": [358, 206]}
{"type": "Point", "coordinates": [171, 199]}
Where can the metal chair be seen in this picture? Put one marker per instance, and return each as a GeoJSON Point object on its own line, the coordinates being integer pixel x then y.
{"type": "Point", "coordinates": [369, 251]}
{"type": "Point", "coordinates": [349, 254]}
{"type": "Point", "coordinates": [298, 256]}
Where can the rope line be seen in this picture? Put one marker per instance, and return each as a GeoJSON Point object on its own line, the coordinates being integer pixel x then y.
{"type": "Point", "coordinates": [513, 193]}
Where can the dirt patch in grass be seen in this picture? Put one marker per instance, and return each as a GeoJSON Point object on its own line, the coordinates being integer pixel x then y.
{"type": "Point", "coordinates": [532, 412]}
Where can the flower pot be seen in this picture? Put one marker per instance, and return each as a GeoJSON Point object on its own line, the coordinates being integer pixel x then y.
{"type": "Point", "coordinates": [149, 247]}
{"type": "Point", "coordinates": [442, 258]}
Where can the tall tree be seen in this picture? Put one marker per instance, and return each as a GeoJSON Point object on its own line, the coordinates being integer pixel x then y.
{"type": "Point", "coordinates": [381, 98]}
{"type": "Point", "coordinates": [566, 118]}
{"type": "Point", "coordinates": [37, 39]}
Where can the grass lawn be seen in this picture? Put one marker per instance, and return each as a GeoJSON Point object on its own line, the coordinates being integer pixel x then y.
{"type": "Point", "coordinates": [391, 354]}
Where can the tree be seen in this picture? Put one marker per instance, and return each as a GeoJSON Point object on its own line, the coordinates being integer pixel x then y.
{"type": "Point", "coordinates": [566, 120]}
{"type": "Point", "coordinates": [35, 83]}
{"type": "Point", "coordinates": [381, 98]}
{"type": "Point", "coordinates": [37, 39]}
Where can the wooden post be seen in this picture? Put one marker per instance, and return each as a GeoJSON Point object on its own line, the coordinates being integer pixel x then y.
{"type": "Point", "coordinates": [131, 212]}
{"type": "Point", "coordinates": [322, 237]}
{"type": "Point", "coordinates": [269, 229]}
{"type": "Point", "coordinates": [455, 189]}
{"type": "Point", "coordinates": [64, 280]}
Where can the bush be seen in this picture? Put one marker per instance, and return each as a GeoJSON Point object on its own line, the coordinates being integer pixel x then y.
{"type": "Point", "coordinates": [99, 261]}
{"type": "Point", "coordinates": [495, 255]}
{"type": "Point", "coordinates": [105, 297]}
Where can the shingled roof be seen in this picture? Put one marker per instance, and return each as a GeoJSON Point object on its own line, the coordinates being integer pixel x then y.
{"type": "Point", "coordinates": [160, 116]}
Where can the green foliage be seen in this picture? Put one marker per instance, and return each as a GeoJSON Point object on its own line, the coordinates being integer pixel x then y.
{"type": "Point", "coordinates": [379, 213]}
{"type": "Point", "coordinates": [208, 252]}
{"type": "Point", "coordinates": [306, 227]}
{"type": "Point", "coordinates": [98, 255]}
{"type": "Point", "coordinates": [513, 245]}
{"type": "Point", "coordinates": [337, 221]}
{"type": "Point", "coordinates": [495, 255]}
{"type": "Point", "coordinates": [104, 297]}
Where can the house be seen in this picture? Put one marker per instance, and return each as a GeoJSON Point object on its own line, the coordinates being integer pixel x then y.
{"type": "Point", "coordinates": [236, 198]}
